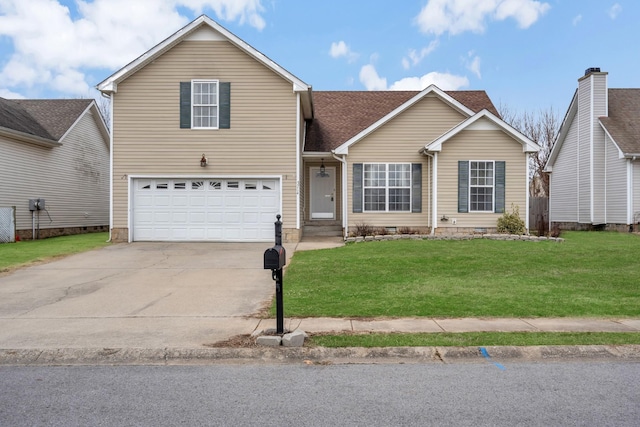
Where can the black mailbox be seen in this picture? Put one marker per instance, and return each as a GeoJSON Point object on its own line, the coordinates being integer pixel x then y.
{"type": "Point", "coordinates": [275, 258]}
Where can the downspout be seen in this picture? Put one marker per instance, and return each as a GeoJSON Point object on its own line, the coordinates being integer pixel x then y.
{"type": "Point", "coordinates": [434, 216]}
{"type": "Point", "coordinates": [630, 216]}
{"type": "Point", "coordinates": [344, 193]}
{"type": "Point", "coordinates": [298, 161]}
{"type": "Point", "coordinates": [110, 163]}
{"type": "Point", "coordinates": [528, 185]}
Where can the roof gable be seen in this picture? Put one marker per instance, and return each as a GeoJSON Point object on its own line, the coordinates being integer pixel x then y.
{"type": "Point", "coordinates": [358, 114]}
{"type": "Point", "coordinates": [205, 28]}
{"type": "Point", "coordinates": [45, 121]}
{"type": "Point", "coordinates": [484, 120]}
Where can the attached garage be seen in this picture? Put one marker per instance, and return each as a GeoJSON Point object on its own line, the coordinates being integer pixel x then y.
{"type": "Point", "coordinates": [205, 209]}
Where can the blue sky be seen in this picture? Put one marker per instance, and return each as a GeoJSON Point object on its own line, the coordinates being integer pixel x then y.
{"type": "Point", "coordinates": [527, 54]}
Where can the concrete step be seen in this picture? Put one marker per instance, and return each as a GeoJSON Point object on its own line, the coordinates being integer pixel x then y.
{"type": "Point", "coordinates": [322, 230]}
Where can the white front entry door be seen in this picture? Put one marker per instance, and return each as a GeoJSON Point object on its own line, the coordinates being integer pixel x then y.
{"type": "Point", "coordinates": [323, 193]}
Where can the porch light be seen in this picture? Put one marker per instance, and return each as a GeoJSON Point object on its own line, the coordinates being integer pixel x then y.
{"type": "Point", "coordinates": [322, 168]}
{"type": "Point", "coordinates": [203, 161]}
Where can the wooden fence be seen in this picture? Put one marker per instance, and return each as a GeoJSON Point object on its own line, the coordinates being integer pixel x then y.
{"type": "Point", "coordinates": [539, 215]}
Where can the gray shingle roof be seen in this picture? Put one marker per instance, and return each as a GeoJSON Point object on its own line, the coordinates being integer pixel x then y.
{"type": "Point", "coordinates": [340, 115]}
{"type": "Point", "coordinates": [44, 118]}
{"type": "Point", "coordinates": [623, 122]}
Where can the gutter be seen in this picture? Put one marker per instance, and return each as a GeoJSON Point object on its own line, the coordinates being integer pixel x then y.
{"type": "Point", "coordinates": [344, 192]}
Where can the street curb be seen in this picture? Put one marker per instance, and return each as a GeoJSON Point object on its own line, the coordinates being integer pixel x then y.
{"type": "Point", "coordinates": [315, 355]}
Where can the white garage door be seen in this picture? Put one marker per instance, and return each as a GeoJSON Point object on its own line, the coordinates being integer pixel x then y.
{"type": "Point", "coordinates": [233, 210]}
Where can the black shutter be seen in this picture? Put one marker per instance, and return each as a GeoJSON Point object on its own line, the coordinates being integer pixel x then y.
{"type": "Point", "coordinates": [185, 105]}
{"type": "Point", "coordinates": [225, 105]}
{"type": "Point", "coordinates": [463, 186]}
{"type": "Point", "coordinates": [500, 186]}
{"type": "Point", "coordinates": [357, 187]}
{"type": "Point", "coordinates": [416, 187]}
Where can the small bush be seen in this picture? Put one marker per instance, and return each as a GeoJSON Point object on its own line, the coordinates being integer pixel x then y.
{"type": "Point", "coordinates": [363, 229]}
{"type": "Point", "coordinates": [555, 231]}
{"type": "Point", "coordinates": [404, 230]}
{"type": "Point", "coordinates": [381, 231]}
{"type": "Point", "coordinates": [511, 223]}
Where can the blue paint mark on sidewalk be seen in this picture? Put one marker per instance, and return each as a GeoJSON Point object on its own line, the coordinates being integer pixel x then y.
{"type": "Point", "coordinates": [485, 353]}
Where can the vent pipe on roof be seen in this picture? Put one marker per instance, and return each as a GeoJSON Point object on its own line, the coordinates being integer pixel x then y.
{"type": "Point", "coordinates": [591, 70]}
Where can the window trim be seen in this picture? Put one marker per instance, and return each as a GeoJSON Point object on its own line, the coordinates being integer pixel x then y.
{"type": "Point", "coordinates": [387, 187]}
{"type": "Point", "coordinates": [194, 105]}
{"type": "Point", "coordinates": [493, 187]}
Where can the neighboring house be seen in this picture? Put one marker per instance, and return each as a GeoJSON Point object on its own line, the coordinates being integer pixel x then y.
{"type": "Point", "coordinates": [55, 150]}
{"type": "Point", "coordinates": [212, 139]}
{"type": "Point", "coordinates": [594, 165]}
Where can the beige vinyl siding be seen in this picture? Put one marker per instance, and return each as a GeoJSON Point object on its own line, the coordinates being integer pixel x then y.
{"type": "Point", "coordinates": [480, 145]}
{"type": "Point", "coordinates": [72, 178]}
{"type": "Point", "coordinates": [563, 181]}
{"type": "Point", "coordinates": [148, 139]}
{"type": "Point", "coordinates": [398, 141]}
{"type": "Point", "coordinates": [584, 151]}
{"type": "Point", "coordinates": [616, 185]}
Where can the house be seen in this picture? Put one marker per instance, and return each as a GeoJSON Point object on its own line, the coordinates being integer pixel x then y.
{"type": "Point", "coordinates": [594, 165]}
{"type": "Point", "coordinates": [54, 166]}
{"type": "Point", "coordinates": [212, 139]}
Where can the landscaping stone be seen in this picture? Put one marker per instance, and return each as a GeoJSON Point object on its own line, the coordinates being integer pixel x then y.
{"type": "Point", "coordinates": [294, 339]}
{"type": "Point", "coordinates": [514, 237]}
{"type": "Point", "coordinates": [269, 340]}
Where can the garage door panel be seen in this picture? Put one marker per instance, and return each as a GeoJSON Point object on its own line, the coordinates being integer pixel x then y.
{"type": "Point", "coordinates": [205, 209]}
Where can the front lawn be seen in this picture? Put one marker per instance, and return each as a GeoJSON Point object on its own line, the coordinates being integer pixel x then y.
{"type": "Point", "coordinates": [590, 274]}
{"type": "Point", "coordinates": [13, 255]}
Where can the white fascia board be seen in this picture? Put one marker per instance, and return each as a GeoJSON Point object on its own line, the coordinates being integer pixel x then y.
{"type": "Point", "coordinates": [28, 138]}
{"type": "Point", "coordinates": [110, 84]}
{"type": "Point", "coordinates": [621, 154]}
{"type": "Point", "coordinates": [528, 146]}
{"type": "Point", "coordinates": [344, 148]}
{"type": "Point", "coordinates": [562, 134]}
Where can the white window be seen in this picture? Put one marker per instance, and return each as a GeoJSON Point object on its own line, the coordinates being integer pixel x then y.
{"type": "Point", "coordinates": [204, 104]}
{"type": "Point", "coordinates": [387, 187]}
{"type": "Point", "coordinates": [481, 186]}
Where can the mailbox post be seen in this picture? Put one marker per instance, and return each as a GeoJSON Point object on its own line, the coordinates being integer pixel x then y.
{"type": "Point", "coordinates": [274, 259]}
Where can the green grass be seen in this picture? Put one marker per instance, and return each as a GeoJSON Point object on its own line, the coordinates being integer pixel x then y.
{"type": "Point", "coordinates": [14, 255]}
{"type": "Point", "coordinates": [472, 339]}
{"type": "Point", "coordinates": [590, 274]}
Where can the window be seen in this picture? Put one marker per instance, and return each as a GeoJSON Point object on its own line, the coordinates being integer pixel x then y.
{"type": "Point", "coordinates": [204, 104]}
{"type": "Point", "coordinates": [387, 187]}
{"type": "Point", "coordinates": [481, 186]}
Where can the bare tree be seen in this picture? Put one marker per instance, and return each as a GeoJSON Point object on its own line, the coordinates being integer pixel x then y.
{"type": "Point", "coordinates": [104, 106]}
{"type": "Point", "coordinates": [542, 128]}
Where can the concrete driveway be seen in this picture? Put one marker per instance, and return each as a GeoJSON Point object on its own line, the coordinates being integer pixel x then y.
{"type": "Point", "coordinates": [139, 295]}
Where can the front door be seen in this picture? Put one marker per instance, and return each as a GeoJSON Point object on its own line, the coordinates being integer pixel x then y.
{"type": "Point", "coordinates": [323, 193]}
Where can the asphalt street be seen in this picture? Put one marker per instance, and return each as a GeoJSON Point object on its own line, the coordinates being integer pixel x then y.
{"type": "Point", "coordinates": [477, 394]}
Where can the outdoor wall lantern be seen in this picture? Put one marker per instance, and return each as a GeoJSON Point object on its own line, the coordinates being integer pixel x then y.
{"type": "Point", "coordinates": [203, 161]}
{"type": "Point", "coordinates": [322, 168]}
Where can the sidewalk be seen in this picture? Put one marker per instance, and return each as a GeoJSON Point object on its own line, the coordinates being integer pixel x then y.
{"type": "Point", "coordinates": [417, 325]}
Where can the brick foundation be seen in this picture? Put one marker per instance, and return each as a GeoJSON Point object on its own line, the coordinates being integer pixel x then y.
{"type": "Point", "coordinates": [45, 233]}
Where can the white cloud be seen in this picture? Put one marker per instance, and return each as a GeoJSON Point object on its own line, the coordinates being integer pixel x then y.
{"type": "Point", "coordinates": [614, 11]}
{"type": "Point", "coordinates": [458, 16]}
{"type": "Point", "coordinates": [444, 81]}
{"type": "Point", "coordinates": [54, 50]}
{"type": "Point", "coordinates": [415, 57]}
{"type": "Point", "coordinates": [473, 64]}
{"type": "Point", "coordinates": [341, 49]}
{"type": "Point", "coordinates": [6, 93]}
{"type": "Point", "coordinates": [577, 20]}
{"type": "Point", "coordinates": [372, 81]}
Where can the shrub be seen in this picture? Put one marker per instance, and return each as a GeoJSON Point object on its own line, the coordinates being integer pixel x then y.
{"type": "Point", "coordinates": [381, 231]}
{"type": "Point", "coordinates": [363, 229]}
{"type": "Point", "coordinates": [555, 231]}
{"type": "Point", "coordinates": [511, 223]}
{"type": "Point", "coordinates": [404, 230]}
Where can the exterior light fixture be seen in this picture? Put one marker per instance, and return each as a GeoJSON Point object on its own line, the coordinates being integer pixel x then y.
{"type": "Point", "coordinates": [322, 169]}
{"type": "Point", "coordinates": [203, 161]}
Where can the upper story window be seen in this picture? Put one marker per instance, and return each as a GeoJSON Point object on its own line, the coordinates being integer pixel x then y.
{"type": "Point", "coordinates": [204, 104]}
